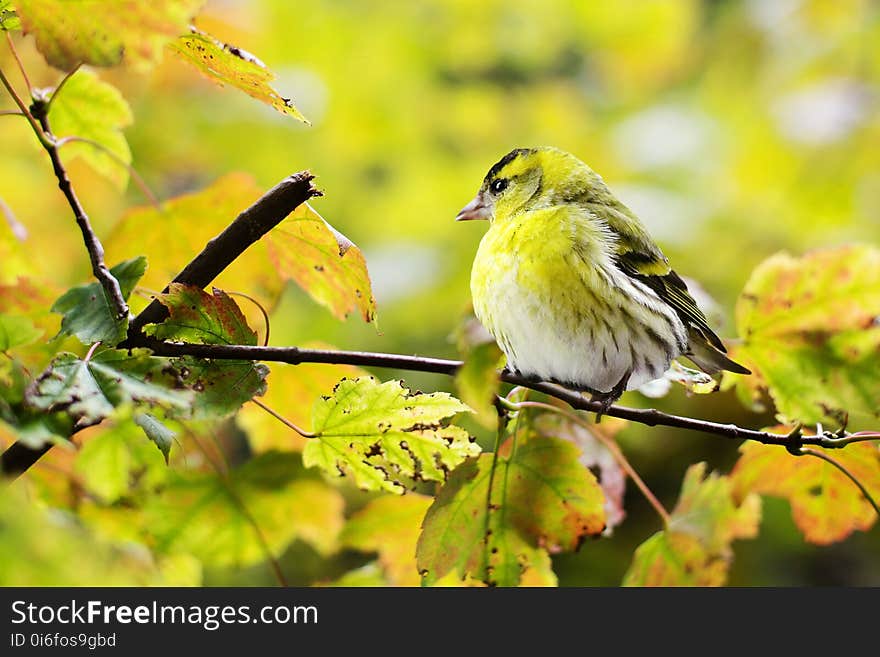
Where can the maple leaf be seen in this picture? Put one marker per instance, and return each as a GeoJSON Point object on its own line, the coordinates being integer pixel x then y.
{"type": "Point", "coordinates": [384, 435]}
{"type": "Point", "coordinates": [826, 506]}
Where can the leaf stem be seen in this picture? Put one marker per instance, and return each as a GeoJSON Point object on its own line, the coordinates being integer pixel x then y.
{"type": "Point", "coordinates": [60, 86]}
{"type": "Point", "coordinates": [21, 68]}
{"type": "Point", "coordinates": [302, 432]}
{"type": "Point", "coordinates": [91, 351]}
{"type": "Point", "coordinates": [138, 180]}
{"type": "Point", "coordinates": [262, 309]}
{"type": "Point", "coordinates": [837, 464]}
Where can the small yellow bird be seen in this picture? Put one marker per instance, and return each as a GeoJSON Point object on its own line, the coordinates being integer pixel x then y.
{"type": "Point", "coordinates": [572, 287]}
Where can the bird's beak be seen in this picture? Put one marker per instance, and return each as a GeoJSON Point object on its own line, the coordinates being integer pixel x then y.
{"type": "Point", "coordinates": [476, 209]}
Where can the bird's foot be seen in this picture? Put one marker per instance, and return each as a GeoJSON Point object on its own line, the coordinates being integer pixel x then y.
{"type": "Point", "coordinates": [606, 399]}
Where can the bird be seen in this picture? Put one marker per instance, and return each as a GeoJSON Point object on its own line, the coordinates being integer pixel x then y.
{"type": "Point", "coordinates": [571, 286]}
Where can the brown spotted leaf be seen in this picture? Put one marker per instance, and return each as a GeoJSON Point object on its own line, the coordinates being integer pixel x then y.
{"type": "Point", "coordinates": [542, 501]}
{"type": "Point", "coordinates": [695, 548]}
{"type": "Point", "coordinates": [9, 20]}
{"type": "Point", "coordinates": [221, 386]}
{"type": "Point", "coordinates": [323, 262]}
{"type": "Point", "coordinates": [385, 436]}
{"type": "Point", "coordinates": [104, 33]}
{"type": "Point", "coordinates": [811, 334]}
{"type": "Point", "coordinates": [196, 316]}
{"type": "Point", "coordinates": [227, 64]}
{"type": "Point", "coordinates": [826, 506]}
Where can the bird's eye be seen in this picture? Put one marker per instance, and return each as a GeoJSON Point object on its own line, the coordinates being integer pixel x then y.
{"type": "Point", "coordinates": [499, 186]}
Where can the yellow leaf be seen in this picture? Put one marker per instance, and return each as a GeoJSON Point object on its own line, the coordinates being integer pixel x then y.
{"type": "Point", "coordinates": [104, 33]}
{"type": "Point", "coordinates": [226, 64]}
{"type": "Point", "coordinates": [390, 525]}
{"type": "Point", "coordinates": [323, 262]}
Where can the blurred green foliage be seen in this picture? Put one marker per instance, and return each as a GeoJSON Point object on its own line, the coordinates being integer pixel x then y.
{"type": "Point", "coordinates": [735, 129]}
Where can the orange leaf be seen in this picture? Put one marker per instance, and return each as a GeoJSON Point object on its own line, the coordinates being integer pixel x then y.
{"type": "Point", "coordinates": [826, 506]}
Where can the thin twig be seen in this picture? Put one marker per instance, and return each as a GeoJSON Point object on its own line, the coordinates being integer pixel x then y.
{"type": "Point", "coordinates": [262, 309]}
{"type": "Point", "coordinates": [647, 416]}
{"type": "Point", "coordinates": [60, 86]}
{"type": "Point", "coordinates": [837, 464]}
{"type": "Point", "coordinates": [90, 238]}
{"type": "Point", "coordinates": [302, 432]}
{"type": "Point", "coordinates": [21, 68]}
{"type": "Point", "coordinates": [135, 176]}
{"type": "Point", "coordinates": [19, 231]}
{"type": "Point", "coordinates": [37, 128]}
{"type": "Point", "coordinates": [11, 113]}
{"type": "Point", "coordinates": [611, 445]}
{"type": "Point", "coordinates": [244, 511]}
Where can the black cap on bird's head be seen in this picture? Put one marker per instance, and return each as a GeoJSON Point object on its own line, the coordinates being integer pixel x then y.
{"type": "Point", "coordinates": [496, 182]}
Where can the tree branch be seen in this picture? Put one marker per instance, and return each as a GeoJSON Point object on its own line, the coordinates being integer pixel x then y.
{"type": "Point", "coordinates": [650, 416]}
{"type": "Point", "coordinates": [257, 220]}
{"type": "Point", "coordinates": [222, 251]}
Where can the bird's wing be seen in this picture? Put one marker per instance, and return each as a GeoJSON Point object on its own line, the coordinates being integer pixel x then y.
{"type": "Point", "coordinates": [637, 256]}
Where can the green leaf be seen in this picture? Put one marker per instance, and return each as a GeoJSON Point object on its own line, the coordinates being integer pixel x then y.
{"type": "Point", "coordinates": [47, 547]}
{"type": "Point", "coordinates": [213, 517]}
{"type": "Point", "coordinates": [810, 334]}
{"type": "Point", "coordinates": [323, 262]}
{"type": "Point", "coordinates": [90, 391]}
{"type": "Point", "coordinates": [157, 432]}
{"type": "Point", "coordinates": [35, 430]}
{"type": "Point", "coordinates": [384, 435]}
{"type": "Point", "coordinates": [694, 549]}
{"type": "Point", "coordinates": [87, 312]}
{"type": "Point", "coordinates": [368, 575]}
{"type": "Point", "coordinates": [16, 331]}
{"type": "Point", "coordinates": [89, 108]}
{"type": "Point", "coordinates": [672, 558]}
{"type": "Point", "coordinates": [390, 526]}
{"type": "Point", "coordinates": [196, 316]}
{"type": "Point", "coordinates": [477, 382]}
{"type": "Point", "coordinates": [9, 20]}
{"type": "Point", "coordinates": [116, 461]}
{"type": "Point", "coordinates": [227, 64]}
{"type": "Point", "coordinates": [542, 499]}
{"type": "Point", "coordinates": [825, 504]}
{"type": "Point", "coordinates": [220, 387]}
{"type": "Point", "coordinates": [102, 33]}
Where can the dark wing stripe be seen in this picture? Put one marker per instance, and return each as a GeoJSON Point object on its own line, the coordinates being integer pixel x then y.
{"type": "Point", "coordinates": [673, 290]}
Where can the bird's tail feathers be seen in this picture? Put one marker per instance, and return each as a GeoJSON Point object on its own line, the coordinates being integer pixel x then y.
{"type": "Point", "coordinates": [708, 358]}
